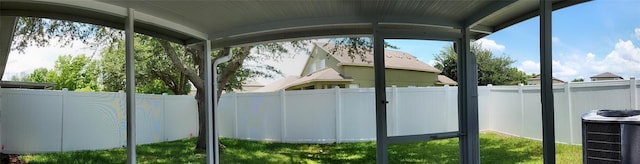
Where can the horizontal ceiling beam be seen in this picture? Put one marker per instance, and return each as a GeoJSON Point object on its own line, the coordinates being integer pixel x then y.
{"type": "Point", "coordinates": [104, 14]}
{"type": "Point", "coordinates": [353, 31]}
{"type": "Point", "coordinates": [492, 8]}
{"type": "Point", "coordinates": [329, 22]}
{"type": "Point", "coordinates": [535, 12]}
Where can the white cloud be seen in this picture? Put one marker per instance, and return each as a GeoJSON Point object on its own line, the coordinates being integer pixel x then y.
{"type": "Point", "coordinates": [555, 39]}
{"type": "Point", "coordinates": [623, 60]}
{"type": "Point", "coordinates": [36, 57]}
{"type": "Point", "coordinates": [491, 45]}
{"type": "Point", "coordinates": [637, 33]}
{"type": "Point", "coordinates": [530, 67]}
{"type": "Point", "coordinates": [560, 70]}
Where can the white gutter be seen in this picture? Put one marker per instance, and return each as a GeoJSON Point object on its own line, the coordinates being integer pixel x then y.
{"type": "Point", "coordinates": [212, 124]}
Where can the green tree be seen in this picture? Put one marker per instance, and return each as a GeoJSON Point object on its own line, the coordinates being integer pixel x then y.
{"type": "Point", "coordinates": [38, 75]}
{"type": "Point", "coordinates": [491, 69]}
{"type": "Point", "coordinates": [23, 76]}
{"type": "Point", "coordinates": [74, 73]}
{"type": "Point", "coordinates": [155, 74]}
{"type": "Point", "coordinates": [578, 80]}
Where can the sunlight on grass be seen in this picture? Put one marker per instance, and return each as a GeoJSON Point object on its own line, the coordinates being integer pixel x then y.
{"type": "Point", "coordinates": [495, 148]}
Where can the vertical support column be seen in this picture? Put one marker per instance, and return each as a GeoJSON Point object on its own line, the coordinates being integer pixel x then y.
{"type": "Point", "coordinates": [131, 88]}
{"type": "Point", "coordinates": [1, 118]}
{"type": "Point", "coordinates": [381, 98]}
{"type": "Point", "coordinates": [468, 102]}
{"type": "Point", "coordinates": [212, 151]}
{"type": "Point", "coordinates": [546, 81]}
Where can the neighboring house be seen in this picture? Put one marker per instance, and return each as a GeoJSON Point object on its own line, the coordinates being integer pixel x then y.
{"type": "Point", "coordinates": [328, 70]}
{"type": "Point", "coordinates": [536, 81]}
{"type": "Point", "coordinates": [444, 80]}
{"type": "Point", "coordinates": [27, 85]}
{"type": "Point", "coordinates": [250, 86]}
{"type": "Point", "coordinates": [606, 76]}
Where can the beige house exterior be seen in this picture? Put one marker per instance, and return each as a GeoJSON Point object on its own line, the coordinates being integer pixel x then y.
{"type": "Point", "coordinates": [325, 70]}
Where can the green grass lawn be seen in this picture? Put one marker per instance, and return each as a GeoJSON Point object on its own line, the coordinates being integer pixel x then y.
{"type": "Point", "coordinates": [495, 149]}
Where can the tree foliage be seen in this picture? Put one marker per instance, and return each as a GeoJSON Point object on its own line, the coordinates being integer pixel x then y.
{"type": "Point", "coordinates": [155, 74]}
{"type": "Point", "coordinates": [492, 69]}
{"type": "Point", "coordinates": [38, 75]}
{"type": "Point", "coordinates": [32, 31]}
{"type": "Point", "coordinates": [578, 80]}
{"type": "Point", "coordinates": [78, 73]}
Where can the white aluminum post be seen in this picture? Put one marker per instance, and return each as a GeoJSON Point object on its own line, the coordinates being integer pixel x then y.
{"type": "Point", "coordinates": [235, 115]}
{"type": "Point", "coordinates": [522, 114]}
{"type": "Point", "coordinates": [164, 116]}
{"type": "Point", "coordinates": [633, 91]}
{"type": "Point", "coordinates": [567, 89]}
{"type": "Point", "coordinates": [396, 110]}
{"type": "Point", "coordinates": [338, 114]}
{"type": "Point", "coordinates": [64, 93]}
{"type": "Point", "coordinates": [208, 101]}
{"type": "Point", "coordinates": [283, 115]}
{"type": "Point", "coordinates": [131, 88]}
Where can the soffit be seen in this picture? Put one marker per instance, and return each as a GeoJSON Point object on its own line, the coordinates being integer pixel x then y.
{"type": "Point", "coordinates": [229, 23]}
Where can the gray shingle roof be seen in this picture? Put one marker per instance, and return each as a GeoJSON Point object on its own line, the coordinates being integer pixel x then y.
{"type": "Point", "coordinates": [393, 59]}
{"type": "Point", "coordinates": [606, 75]}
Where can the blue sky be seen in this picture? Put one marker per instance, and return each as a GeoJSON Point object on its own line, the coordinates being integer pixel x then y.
{"type": "Point", "coordinates": [589, 38]}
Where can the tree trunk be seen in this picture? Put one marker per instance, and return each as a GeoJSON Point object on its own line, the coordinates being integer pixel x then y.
{"type": "Point", "coordinates": [234, 65]}
{"type": "Point", "coordinates": [201, 144]}
{"type": "Point", "coordinates": [198, 79]}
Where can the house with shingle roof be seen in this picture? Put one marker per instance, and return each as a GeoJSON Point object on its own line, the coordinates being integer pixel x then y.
{"type": "Point", "coordinates": [325, 70]}
{"type": "Point", "coordinates": [606, 76]}
{"type": "Point", "coordinates": [536, 80]}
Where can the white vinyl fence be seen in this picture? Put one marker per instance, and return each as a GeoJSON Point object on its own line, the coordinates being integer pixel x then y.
{"type": "Point", "coordinates": [517, 110]}
{"type": "Point", "coordinates": [35, 121]}
{"type": "Point", "coordinates": [335, 115]}
{"type": "Point", "coordinates": [348, 115]}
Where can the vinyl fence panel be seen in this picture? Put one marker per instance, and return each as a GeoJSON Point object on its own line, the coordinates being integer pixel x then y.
{"type": "Point", "coordinates": [358, 115]}
{"type": "Point", "coordinates": [227, 108]}
{"type": "Point", "coordinates": [31, 121]}
{"type": "Point", "coordinates": [310, 116]}
{"type": "Point", "coordinates": [93, 121]}
{"type": "Point", "coordinates": [259, 116]}
{"type": "Point", "coordinates": [181, 117]}
{"type": "Point", "coordinates": [149, 119]}
{"type": "Point", "coordinates": [421, 111]}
